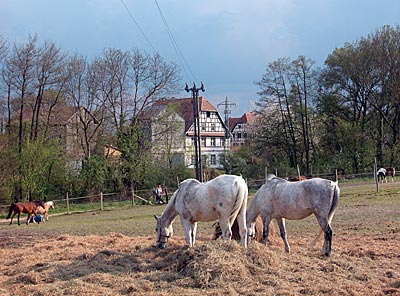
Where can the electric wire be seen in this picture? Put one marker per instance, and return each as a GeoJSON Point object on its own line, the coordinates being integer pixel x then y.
{"type": "Point", "coordinates": [138, 26]}
{"type": "Point", "coordinates": [175, 45]}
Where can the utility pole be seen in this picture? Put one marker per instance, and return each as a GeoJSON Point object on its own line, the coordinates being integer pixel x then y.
{"type": "Point", "coordinates": [227, 111]}
{"type": "Point", "coordinates": [196, 129]}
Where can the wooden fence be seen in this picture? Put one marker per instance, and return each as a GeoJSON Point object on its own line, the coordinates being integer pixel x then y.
{"type": "Point", "coordinates": [103, 201]}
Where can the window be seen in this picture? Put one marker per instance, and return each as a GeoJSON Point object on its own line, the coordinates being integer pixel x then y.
{"type": "Point", "coordinates": [208, 113]}
{"type": "Point", "coordinates": [203, 142]}
{"type": "Point", "coordinates": [213, 127]}
{"type": "Point", "coordinates": [239, 135]}
{"type": "Point", "coordinates": [203, 127]}
{"type": "Point", "coordinates": [213, 159]}
{"type": "Point", "coordinates": [213, 142]}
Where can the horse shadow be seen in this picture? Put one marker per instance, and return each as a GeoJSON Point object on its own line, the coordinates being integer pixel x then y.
{"type": "Point", "coordinates": [141, 259]}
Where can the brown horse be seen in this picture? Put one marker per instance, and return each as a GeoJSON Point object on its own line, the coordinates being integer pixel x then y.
{"type": "Point", "coordinates": [24, 207]}
{"type": "Point", "coordinates": [296, 179]}
{"type": "Point", "coordinates": [390, 171]}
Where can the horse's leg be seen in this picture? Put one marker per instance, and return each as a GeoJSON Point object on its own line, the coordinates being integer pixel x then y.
{"type": "Point", "coordinates": [266, 221]}
{"type": "Point", "coordinates": [29, 217]}
{"type": "Point", "coordinates": [19, 214]}
{"type": "Point", "coordinates": [282, 230]}
{"type": "Point", "coordinates": [326, 228]}
{"type": "Point", "coordinates": [225, 228]}
{"type": "Point", "coordinates": [194, 231]}
{"type": "Point", "coordinates": [12, 217]}
{"type": "Point", "coordinates": [241, 219]}
{"type": "Point", "coordinates": [188, 227]}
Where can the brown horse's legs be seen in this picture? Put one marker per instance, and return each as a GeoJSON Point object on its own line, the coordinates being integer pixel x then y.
{"type": "Point", "coordinates": [19, 214]}
{"type": "Point", "coordinates": [12, 217]}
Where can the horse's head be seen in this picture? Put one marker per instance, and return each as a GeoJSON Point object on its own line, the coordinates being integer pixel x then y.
{"type": "Point", "coordinates": [251, 231]}
{"type": "Point", "coordinates": [163, 233]}
{"type": "Point", "coordinates": [40, 203]}
{"type": "Point", "coordinates": [50, 204]}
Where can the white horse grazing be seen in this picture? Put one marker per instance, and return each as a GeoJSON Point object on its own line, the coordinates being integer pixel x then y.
{"type": "Point", "coordinates": [44, 210]}
{"type": "Point", "coordinates": [223, 198]}
{"type": "Point", "coordinates": [280, 199]}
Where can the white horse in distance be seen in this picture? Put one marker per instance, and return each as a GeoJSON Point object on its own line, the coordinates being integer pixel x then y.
{"type": "Point", "coordinates": [280, 199]}
{"type": "Point", "coordinates": [45, 210]}
{"type": "Point", "coordinates": [223, 198]}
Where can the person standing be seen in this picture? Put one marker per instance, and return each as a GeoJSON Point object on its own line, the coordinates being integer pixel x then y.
{"type": "Point", "coordinates": [158, 193]}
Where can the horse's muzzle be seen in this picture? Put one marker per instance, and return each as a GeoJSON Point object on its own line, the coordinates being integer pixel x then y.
{"type": "Point", "coordinates": [161, 246]}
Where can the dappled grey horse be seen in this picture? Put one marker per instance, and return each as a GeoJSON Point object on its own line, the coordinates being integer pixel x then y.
{"type": "Point", "coordinates": [280, 199]}
{"type": "Point", "coordinates": [223, 198]}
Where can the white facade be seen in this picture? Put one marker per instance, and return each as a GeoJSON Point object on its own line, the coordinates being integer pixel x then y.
{"type": "Point", "coordinates": [178, 141]}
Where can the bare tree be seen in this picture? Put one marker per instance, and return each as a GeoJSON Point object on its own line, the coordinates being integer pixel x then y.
{"type": "Point", "coordinates": [82, 93]}
{"type": "Point", "coordinates": [20, 72]}
{"type": "Point", "coordinates": [152, 78]}
{"type": "Point", "coordinates": [4, 118]}
{"type": "Point", "coordinates": [49, 75]}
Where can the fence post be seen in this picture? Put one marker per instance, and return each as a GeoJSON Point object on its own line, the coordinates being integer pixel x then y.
{"type": "Point", "coordinates": [376, 176]}
{"type": "Point", "coordinates": [266, 174]}
{"type": "Point", "coordinates": [68, 203]}
{"type": "Point", "coordinates": [133, 196]}
{"type": "Point", "coordinates": [101, 201]}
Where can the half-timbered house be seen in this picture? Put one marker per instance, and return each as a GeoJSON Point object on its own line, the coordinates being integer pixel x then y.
{"type": "Point", "coordinates": [169, 125]}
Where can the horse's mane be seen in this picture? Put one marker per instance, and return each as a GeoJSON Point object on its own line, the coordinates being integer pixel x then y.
{"type": "Point", "coordinates": [277, 179]}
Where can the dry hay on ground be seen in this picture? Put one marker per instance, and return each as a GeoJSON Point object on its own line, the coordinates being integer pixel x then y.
{"type": "Point", "coordinates": [259, 227]}
{"type": "Point", "coordinates": [122, 265]}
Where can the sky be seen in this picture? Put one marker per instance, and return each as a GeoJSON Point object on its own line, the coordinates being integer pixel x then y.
{"type": "Point", "coordinates": [227, 44]}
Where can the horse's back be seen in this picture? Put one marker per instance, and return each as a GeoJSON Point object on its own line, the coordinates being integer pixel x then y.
{"type": "Point", "coordinates": [206, 201]}
{"type": "Point", "coordinates": [284, 198]}
{"type": "Point", "coordinates": [227, 186]}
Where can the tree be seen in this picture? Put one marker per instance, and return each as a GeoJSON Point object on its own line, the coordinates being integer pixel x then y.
{"type": "Point", "coordinates": [364, 77]}
{"type": "Point", "coordinates": [49, 65]}
{"type": "Point", "coordinates": [288, 89]}
{"type": "Point", "coordinates": [20, 72]}
{"type": "Point", "coordinates": [39, 159]}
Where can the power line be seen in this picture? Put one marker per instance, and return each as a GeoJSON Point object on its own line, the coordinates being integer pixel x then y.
{"type": "Point", "coordinates": [137, 25]}
{"type": "Point", "coordinates": [178, 51]}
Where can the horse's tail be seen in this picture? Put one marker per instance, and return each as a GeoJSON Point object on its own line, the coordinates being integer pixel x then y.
{"type": "Point", "coordinates": [11, 210]}
{"type": "Point", "coordinates": [334, 203]}
{"type": "Point", "coordinates": [242, 193]}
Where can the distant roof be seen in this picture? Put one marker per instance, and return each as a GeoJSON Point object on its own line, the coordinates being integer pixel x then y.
{"type": "Point", "coordinates": [247, 118]}
{"type": "Point", "coordinates": [184, 107]}
{"type": "Point", "coordinates": [60, 114]}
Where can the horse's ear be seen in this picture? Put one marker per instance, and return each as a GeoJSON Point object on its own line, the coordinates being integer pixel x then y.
{"type": "Point", "coordinates": [156, 217]}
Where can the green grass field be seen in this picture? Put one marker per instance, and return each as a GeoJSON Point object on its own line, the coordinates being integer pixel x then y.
{"type": "Point", "coordinates": [360, 207]}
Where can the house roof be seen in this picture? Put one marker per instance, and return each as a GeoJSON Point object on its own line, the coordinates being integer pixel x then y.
{"type": "Point", "coordinates": [247, 118]}
{"type": "Point", "coordinates": [184, 107]}
{"type": "Point", "coordinates": [61, 114]}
